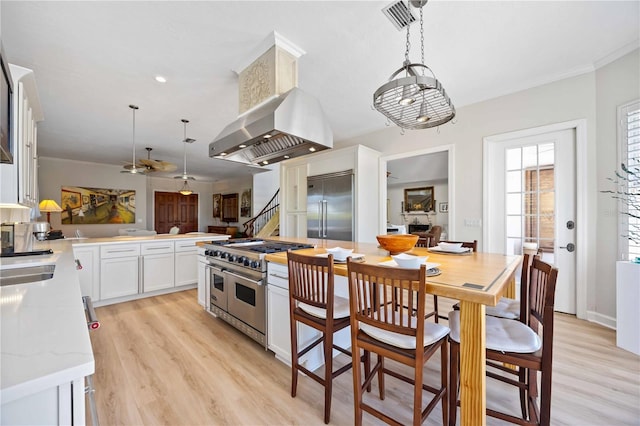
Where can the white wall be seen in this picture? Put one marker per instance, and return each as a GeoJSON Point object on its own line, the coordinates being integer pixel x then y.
{"type": "Point", "coordinates": [265, 186]}
{"type": "Point", "coordinates": [592, 96]}
{"type": "Point", "coordinates": [395, 194]}
{"type": "Point", "coordinates": [53, 173]}
{"type": "Point", "coordinates": [617, 83]}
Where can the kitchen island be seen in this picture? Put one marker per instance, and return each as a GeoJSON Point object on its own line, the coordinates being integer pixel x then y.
{"type": "Point", "coordinates": [477, 280]}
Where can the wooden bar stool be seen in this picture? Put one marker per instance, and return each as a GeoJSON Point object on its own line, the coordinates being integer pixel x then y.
{"type": "Point", "coordinates": [388, 318]}
{"type": "Point", "coordinates": [312, 302]}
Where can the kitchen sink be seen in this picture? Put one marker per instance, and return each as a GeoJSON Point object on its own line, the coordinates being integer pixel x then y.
{"type": "Point", "coordinates": [27, 274]}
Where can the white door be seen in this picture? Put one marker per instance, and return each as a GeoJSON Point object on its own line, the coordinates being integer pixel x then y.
{"type": "Point", "coordinates": [531, 197]}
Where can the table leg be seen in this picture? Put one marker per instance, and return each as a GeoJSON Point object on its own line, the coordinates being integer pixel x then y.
{"type": "Point", "coordinates": [473, 397]}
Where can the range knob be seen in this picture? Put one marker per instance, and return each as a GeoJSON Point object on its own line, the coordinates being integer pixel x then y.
{"type": "Point", "coordinates": [216, 253]}
{"type": "Point", "coordinates": [207, 252]}
{"type": "Point", "coordinates": [224, 255]}
{"type": "Point", "coordinates": [247, 262]}
{"type": "Point", "coordinates": [255, 264]}
{"type": "Point", "coordinates": [232, 258]}
{"type": "Point", "coordinates": [240, 259]}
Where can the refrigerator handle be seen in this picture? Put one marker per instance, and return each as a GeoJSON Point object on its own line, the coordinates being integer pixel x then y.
{"type": "Point", "coordinates": [324, 218]}
{"type": "Point", "coordinates": [319, 219]}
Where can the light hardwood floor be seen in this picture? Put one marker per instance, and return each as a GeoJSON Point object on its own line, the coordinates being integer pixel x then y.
{"type": "Point", "coordinates": [164, 361]}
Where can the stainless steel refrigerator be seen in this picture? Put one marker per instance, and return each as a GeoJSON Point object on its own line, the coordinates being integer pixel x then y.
{"type": "Point", "coordinates": [330, 206]}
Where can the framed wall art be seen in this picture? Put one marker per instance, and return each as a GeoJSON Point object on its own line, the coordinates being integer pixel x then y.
{"type": "Point", "coordinates": [217, 206]}
{"type": "Point", "coordinates": [245, 203]}
{"type": "Point", "coordinates": [443, 207]}
{"type": "Point", "coordinates": [96, 206]}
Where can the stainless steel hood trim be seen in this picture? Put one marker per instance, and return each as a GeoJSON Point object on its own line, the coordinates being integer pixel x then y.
{"type": "Point", "coordinates": [294, 121]}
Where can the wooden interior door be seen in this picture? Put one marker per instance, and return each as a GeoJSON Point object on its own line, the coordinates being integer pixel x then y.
{"type": "Point", "coordinates": [174, 209]}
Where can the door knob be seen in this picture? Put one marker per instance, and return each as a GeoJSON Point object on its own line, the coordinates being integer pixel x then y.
{"type": "Point", "coordinates": [570, 247]}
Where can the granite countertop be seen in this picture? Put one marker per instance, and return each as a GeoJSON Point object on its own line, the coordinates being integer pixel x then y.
{"type": "Point", "coordinates": [44, 335]}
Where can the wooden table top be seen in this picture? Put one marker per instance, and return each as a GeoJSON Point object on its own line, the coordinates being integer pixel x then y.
{"type": "Point", "coordinates": [477, 277]}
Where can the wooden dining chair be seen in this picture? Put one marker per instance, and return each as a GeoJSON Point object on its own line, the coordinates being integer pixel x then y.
{"type": "Point", "coordinates": [312, 302]}
{"type": "Point", "coordinates": [380, 324]}
{"type": "Point", "coordinates": [473, 245]}
{"type": "Point", "coordinates": [517, 343]}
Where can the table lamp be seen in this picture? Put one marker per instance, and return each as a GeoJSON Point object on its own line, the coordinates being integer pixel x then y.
{"type": "Point", "coordinates": [49, 206]}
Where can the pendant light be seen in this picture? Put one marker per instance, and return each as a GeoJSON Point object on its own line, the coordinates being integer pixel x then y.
{"type": "Point", "coordinates": [134, 170]}
{"type": "Point", "coordinates": [185, 190]}
{"type": "Point", "coordinates": [414, 100]}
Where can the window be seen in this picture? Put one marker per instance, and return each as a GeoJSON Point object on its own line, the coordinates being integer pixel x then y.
{"type": "Point", "coordinates": [629, 182]}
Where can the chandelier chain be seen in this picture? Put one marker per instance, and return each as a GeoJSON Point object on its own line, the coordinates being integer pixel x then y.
{"type": "Point", "coordinates": [406, 52]}
{"type": "Point", "coordinates": [422, 38]}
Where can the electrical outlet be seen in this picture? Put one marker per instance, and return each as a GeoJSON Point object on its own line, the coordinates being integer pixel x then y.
{"type": "Point", "coordinates": [473, 223]}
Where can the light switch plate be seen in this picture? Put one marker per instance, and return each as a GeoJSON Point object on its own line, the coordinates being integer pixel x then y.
{"type": "Point", "coordinates": [473, 223]}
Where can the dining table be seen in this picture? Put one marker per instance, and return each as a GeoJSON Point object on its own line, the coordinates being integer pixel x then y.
{"type": "Point", "coordinates": [476, 279]}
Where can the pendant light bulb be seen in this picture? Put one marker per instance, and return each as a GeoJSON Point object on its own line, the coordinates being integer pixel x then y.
{"type": "Point", "coordinates": [185, 190]}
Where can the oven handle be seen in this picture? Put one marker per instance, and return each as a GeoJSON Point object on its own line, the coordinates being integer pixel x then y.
{"type": "Point", "coordinates": [256, 282]}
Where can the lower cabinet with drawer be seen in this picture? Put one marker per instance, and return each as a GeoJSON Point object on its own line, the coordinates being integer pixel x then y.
{"type": "Point", "coordinates": [119, 270]}
{"type": "Point", "coordinates": [157, 266]}
{"type": "Point", "coordinates": [278, 324]}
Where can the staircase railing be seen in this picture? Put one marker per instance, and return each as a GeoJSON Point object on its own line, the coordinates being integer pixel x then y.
{"type": "Point", "coordinates": [255, 224]}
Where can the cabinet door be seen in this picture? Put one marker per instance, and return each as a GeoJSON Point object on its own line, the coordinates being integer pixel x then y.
{"type": "Point", "coordinates": [186, 267]}
{"type": "Point", "coordinates": [203, 283]}
{"type": "Point", "coordinates": [278, 324]}
{"type": "Point", "coordinates": [296, 188]}
{"type": "Point", "coordinates": [158, 270]}
{"type": "Point", "coordinates": [118, 277]}
{"type": "Point", "coordinates": [88, 260]}
{"type": "Point", "coordinates": [295, 225]}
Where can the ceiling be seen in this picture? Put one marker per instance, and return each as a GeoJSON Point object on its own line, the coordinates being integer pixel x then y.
{"type": "Point", "coordinates": [92, 59]}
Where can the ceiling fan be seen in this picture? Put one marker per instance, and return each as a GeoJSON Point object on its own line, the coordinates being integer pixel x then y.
{"type": "Point", "coordinates": [150, 165]}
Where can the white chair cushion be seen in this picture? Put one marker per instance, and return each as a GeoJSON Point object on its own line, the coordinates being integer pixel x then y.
{"type": "Point", "coordinates": [506, 308]}
{"type": "Point", "coordinates": [340, 308]}
{"type": "Point", "coordinates": [503, 335]}
{"type": "Point", "coordinates": [432, 333]}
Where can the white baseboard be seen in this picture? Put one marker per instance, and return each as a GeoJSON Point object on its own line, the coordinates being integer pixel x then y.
{"type": "Point", "coordinates": [603, 320]}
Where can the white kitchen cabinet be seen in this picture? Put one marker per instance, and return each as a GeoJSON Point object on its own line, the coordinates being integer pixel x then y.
{"type": "Point", "coordinates": [186, 261]}
{"type": "Point", "coordinates": [278, 323]}
{"type": "Point", "coordinates": [19, 180]}
{"type": "Point", "coordinates": [119, 270]}
{"type": "Point", "coordinates": [367, 204]}
{"type": "Point", "coordinates": [157, 265]}
{"type": "Point", "coordinates": [203, 278]}
{"type": "Point", "coordinates": [88, 266]}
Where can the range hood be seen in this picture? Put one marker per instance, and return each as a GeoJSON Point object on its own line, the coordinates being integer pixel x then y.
{"type": "Point", "coordinates": [290, 125]}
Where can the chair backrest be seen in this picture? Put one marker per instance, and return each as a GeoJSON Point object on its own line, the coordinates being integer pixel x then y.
{"type": "Point", "coordinates": [311, 280]}
{"type": "Point", "coordinates": [377, 295]}
{"type": "Point", "coordinates": [468, 244]}
{"type": "Point", "coordinates": [435, 233]}
{"type": "Point", "coordinates": [542, 292]}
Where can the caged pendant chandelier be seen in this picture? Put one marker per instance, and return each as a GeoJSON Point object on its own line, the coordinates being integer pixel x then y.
{"type": "Point", "coordinates": [133, 170]}
{"type": "Point", "coordinates": [411, 99]}
{"type": "Point", "coordinates": [185, 190]}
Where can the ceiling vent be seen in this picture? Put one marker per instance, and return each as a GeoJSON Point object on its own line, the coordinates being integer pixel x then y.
{"type": "Point", "coordinates": [399, 14]}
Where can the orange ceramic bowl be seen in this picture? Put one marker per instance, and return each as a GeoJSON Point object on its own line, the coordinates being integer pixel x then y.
{"type": "Point", "coordinates": [398, 243]}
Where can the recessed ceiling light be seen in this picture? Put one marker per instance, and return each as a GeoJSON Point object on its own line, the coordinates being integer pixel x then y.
{"type": "Point", "coordinates": [286, 156]}
{"type": "Point", "coordinates": [312, 149]}
{"type": "Point", "coordinates": [267, 136]}
{"type": "Point", "coordinates": [242, 146]}
{"type": "Point", "coordinates": [265, 162]}
{"type": "Point", "coordinates": [160, 79]}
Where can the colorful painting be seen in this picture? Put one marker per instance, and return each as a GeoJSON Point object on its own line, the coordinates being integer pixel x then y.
{"type": "Point", "coordinates": [94, 206]}
{"type": "Point", "coordinates": [245, 203]}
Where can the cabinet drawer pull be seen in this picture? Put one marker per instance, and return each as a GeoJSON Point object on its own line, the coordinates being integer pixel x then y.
{"type": "Point", "coordinates": [157, 248]}
{"type": "Point", "coordinates": [279, 276]}
{"type": "Point", "coordinates": [121, 251]}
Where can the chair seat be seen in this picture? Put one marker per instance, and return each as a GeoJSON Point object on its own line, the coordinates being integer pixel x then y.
{"type": "Point", "coordinates": [506, 308]}
{"type": "Point", "coordinates": [502, 335]}
{"type": "Point", "coordinates": [340, 308]}
{"type": "Point", "coordinates": [432, 333]}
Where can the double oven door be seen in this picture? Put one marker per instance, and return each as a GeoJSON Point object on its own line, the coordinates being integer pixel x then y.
{"type": "Point", "coordinates": [242, 297]}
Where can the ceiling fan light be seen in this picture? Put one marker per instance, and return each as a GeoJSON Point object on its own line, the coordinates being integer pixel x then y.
{"type": "Point", "coordinates": [185, 190]}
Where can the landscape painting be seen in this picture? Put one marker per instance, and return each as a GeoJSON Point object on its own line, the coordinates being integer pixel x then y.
{"type": "Point", "coordinates": [94, 206]}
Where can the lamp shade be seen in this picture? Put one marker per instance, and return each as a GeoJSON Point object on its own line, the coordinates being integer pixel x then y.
{"type": "Point", "coordinates": [49, 206]}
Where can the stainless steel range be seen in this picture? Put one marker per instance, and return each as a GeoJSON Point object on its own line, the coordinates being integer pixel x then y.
{"type": "Point", "coordinates": [237, 272]}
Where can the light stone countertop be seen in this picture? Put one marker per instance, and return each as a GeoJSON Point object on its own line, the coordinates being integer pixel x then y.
{"type": "Point", "coordinates": [44, 335]}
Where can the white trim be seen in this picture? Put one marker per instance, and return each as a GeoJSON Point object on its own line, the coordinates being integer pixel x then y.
{"type": "Point", "coordinates": [617, 54]}
{"type": "Point", "coordinates": [603, 320]}
{"type": "Point", "coordinates": [450, 149]}
{"type": "Point", "coordinates": [621, 156]}
{"type": "Point", "coordinates": [582, 195]}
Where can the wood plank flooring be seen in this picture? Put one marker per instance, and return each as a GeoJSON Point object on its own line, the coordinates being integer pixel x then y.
{"type": "Point", "coordinates": [164, 361]}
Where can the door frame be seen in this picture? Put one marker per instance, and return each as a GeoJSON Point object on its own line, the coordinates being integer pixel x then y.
{"type": "Point", "coordinates": [382, 166]}
{"type": "Point", "coordinates": [582, 216]}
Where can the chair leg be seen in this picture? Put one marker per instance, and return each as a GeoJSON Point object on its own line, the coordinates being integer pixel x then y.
{"type": "Point", "coordinates": [367, 366]}
{"type": "Point", "coordinates": [294, 358]}
{"type": "Point", "coordinates": [381, 376]}
{"type": "Point", "coordinates": [357, 384]}
{"type": "Point", "coordinates": [328, 372]}
{"type": "Point", "coordinates": [444, 378]}
{"type": "Point", "coordinates": [417, 395]}
{"type": "Point", "coordinates": [522, 378]}
{"type": "Point", "coordinates": [435, 307]}
{"type": "Point", "coordinates": [545, 398]}
{"type": "Point", "coordinates": [454, 368]}
{"type": "Point", "coordinates": [532, 394]}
